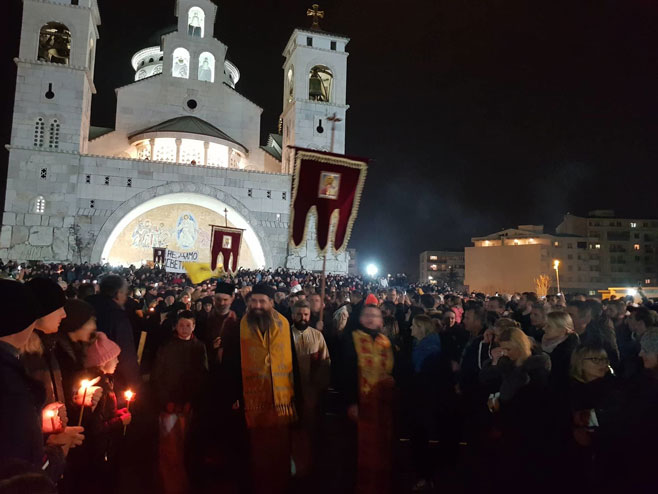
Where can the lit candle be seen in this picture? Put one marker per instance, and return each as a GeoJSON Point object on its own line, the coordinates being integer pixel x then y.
{"type": "Point", "coordinates": [84, 385]}
{"type": "Point", "coordinates": [128, 395]}
{"type": "Point", "coordinates": [51, 415]}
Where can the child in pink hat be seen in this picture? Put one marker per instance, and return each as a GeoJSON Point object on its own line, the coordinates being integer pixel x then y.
{"type": "Point", "coordinates": [94, 465]}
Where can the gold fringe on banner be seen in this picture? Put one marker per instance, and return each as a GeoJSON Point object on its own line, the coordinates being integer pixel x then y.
{"type": "Point", "coordinates": [301, 154]}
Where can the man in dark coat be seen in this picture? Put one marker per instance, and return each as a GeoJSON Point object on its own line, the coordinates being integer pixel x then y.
{"type": "Point", "coordinates": [222, 321]}
{"type": "Point", "coordinates": [21, 397]}
{"type": "Point", "coordinates": [112, 319]}
{"type": "Point", "coordinates": [592, 329]}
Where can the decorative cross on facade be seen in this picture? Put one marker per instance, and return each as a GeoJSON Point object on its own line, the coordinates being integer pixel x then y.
{"type": "Point", "coordinates": [316, 14]}
{"type": "Point", "coordinates": [225, 217]}
{"type": "Point", "coordinates": [334, 120]}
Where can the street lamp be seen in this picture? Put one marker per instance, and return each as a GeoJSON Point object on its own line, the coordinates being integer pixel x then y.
{"type": "Point", "coordinates": [556, 267]}
{"type": "Point", "coordinates": [372, 270]}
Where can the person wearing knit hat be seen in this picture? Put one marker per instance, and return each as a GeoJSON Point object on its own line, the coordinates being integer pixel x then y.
{"type": "Point", "coordinates": [169, 297]}
{"type": "Point", "coordinates": [75, 334]}
{"type": "Point", "coordinates": [20, 400]}
{"type": "Point", "coordinates": [103, 353]}
{"type": "Point", "coordinates": [649, 349]}
{"type": "Point", "coordinates": [263, 289]}
{"type": "Point", "coordinates": [39, 355]}
{"type": "Point", "coordinates": [17, 320]}
{"type": "Point", "coordinates": [51, 303]}
{"type": "Point", "coordinates": [221, 321]}
{"type": "Point", "coordinates": [266, 397]}
{"type": "Point", "coordinates": [371, 299]}
{"type": "Point", "coordinates": [91, 470]}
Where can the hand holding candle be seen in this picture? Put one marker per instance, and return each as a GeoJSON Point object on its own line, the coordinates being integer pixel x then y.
{"type": "Point", "coordinates": [51, 422]}
{"type": "Point", "coordinates": [85, 394]}
{"type": "Point", "coordinates": [127, 417]}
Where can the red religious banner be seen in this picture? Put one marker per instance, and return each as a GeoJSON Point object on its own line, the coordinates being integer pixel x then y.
{"type": "Point", "coordinates": [331, 184]}
{"type": "Point", "coordinates": [226, 241]}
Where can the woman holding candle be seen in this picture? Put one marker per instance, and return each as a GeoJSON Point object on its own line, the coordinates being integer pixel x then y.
{"type": "Point", "coordinates": [95, 465]}
{"type": "Point", "coordinates": [75, 334]}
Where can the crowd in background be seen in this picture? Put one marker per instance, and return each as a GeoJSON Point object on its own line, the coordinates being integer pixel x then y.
{"type": "Point", "coordinates": [488, 392]}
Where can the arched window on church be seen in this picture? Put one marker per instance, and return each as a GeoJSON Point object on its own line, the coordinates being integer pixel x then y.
{"type": "Point", "coordinates": [53, 141]}
{"type": "Point", "coordinates": [207, 67]}
{"type": "Point", "coordinates": [195, 19]}
{"type": "Point", "coordinates": [181, 65]}
{"type": "Point", "coordinates": [54, 43]}
{"type": "Point", "coordinates": [39, 130]}
{"type": "Point", "coordinates": [291, 83]}
{"type": "Point", "coordinates": [39, 205]}
{"type": "Point", "coordinates": [319, 83]}
{"type": "Point", "coordinates": [90, 55]}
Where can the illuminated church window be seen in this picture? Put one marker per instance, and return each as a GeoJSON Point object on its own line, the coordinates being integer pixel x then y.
{"type": "Point", "coordinates": [165, 149]}
{"type": "Point", "coordinates": [191, 151]}
{"type": "Point", "coordinates": [40, 205]}
{"type": "Point", "coordinates": [217, 155]}
{"type": "Point", "coordinates": [54, 43]}
{"type": "Point", "coordinates": [144, 151]}
{"type": "Point", "coordinates": [195, 18]}
{"type": "Point", "coordinates": [181, 63]}
{"type": "Point", "coordinates": [206, 67]}
{"type": "Point", "coordinates": [291, 84]}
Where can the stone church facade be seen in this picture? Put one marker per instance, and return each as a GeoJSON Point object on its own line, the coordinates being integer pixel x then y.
{"type": "Point", "coordinates": [183, 136]}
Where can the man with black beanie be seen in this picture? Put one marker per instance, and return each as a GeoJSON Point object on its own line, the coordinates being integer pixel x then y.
{"type": "Point", "coordinates": [39, 358]}
{"type": "Point", "coordinates": [21, 397]}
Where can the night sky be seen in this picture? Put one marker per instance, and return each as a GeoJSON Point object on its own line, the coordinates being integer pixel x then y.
{"type": "Point", "coordinates": [478, 114]}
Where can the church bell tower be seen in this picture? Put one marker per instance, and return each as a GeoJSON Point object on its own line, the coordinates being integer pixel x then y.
{"type": "Point", "coordinates": [55, 72]}
{"type": "Point", "coordinates": [314, 87]}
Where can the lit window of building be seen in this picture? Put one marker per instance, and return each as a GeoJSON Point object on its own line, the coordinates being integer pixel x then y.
{"type": "Point", "coordinates": [165, 149]}
{"type": "Point", "coordinates": [633, 225]}
{"type": "Point", "coordinates": [433, 258]}
{"type": "Point", "coordinates": [556, 243]}
{"type": "Point", "coordinates": [597, 246]}
{"type": "Point", "coordinates": [191, 151]}
{"type": "Point", "coordinates": [647, 281]}
{"type": "Point", "coordinates": [433, 267]}
{"type": "Point", "coordinates": [40, 205]}
{"type": "Point", "coordinates": [217, 155]}
{"type": "Point", "coordinates": [636, 246]}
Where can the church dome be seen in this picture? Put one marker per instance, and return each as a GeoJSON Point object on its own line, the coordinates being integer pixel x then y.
{"type": "Point", "coordinates": [147, 62]}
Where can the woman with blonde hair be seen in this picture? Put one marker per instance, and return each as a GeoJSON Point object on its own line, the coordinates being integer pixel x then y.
{"type": "Point", "coordinates": [517, 383]}
{"type": "Point", "coordinates": [559, 341]}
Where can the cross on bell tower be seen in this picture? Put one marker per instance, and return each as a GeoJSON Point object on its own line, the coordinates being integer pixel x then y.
{"type": "Point", "coordinates": [316, 14]}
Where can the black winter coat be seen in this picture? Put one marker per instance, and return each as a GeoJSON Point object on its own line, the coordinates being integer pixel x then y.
{"type": "Point", "coordinates": [21, 401]}
{"type": "Point", "coordinates": [561, 364]}
{"type": "Point", "coordinates": [112, 320]}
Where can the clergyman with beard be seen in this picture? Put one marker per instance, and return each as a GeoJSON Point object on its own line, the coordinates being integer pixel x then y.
{"type": "Point", "coordinates": [264, 368]}
{"type": "Point", "coordinates": [314, 375]}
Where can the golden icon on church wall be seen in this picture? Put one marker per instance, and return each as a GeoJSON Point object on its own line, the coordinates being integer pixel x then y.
{"type": "Point", "coordinates": [329, 185]}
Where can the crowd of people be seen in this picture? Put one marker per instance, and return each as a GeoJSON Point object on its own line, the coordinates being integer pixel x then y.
{"type": "Point", "coordinates": [255, 383]}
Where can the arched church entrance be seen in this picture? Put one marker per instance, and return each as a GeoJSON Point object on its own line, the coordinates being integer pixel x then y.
{"type": "Point", "coordinates": [179, 221]}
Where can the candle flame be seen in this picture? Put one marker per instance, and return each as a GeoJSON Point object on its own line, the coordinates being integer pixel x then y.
{"type": "Point", "coordinates": [50, 414]}
{"type": "Point", "coordinates": [85, 383]}
{"type": "Point", "coordinates": [128, 395]}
